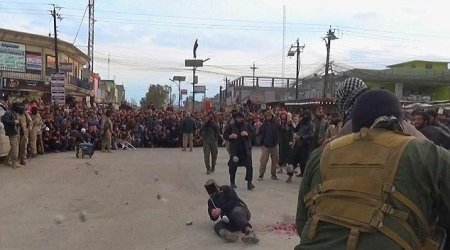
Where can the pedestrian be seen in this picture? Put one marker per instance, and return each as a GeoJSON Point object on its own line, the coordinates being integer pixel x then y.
{"type": "Point", "coordinates": [285, 137]}
{"type": "Point", "coordinates": [230, 122]}
{"type": "Point", "coordinates": [422, 122]}
{"type": "Point", "coordinates": [234, 215]}
{"type": "Point", "coordinates": [239, 135]}
{"type": "Point", "coordinates": [36, 127]}
{"type": "Point", "coordinates": [107, 132]}
{"type": "Point", "coordinates": [320, 128]}
{"type": "Point", "coordinates": [434, 121]}
{"type": "Point", "coordinates": [188, 128]}
{"type": "Point", "coordinates": [269, 145]}
{"type": "Point", "coordinates": [210, 132]}
{"type": "Point", "coordinates": [377, 188]}
{"type": "Point", "coordinates": [11, 124]}
{"type": "Point", "coordinates": [302, 144]}
{"type": "Point", "coordinates": [24, 131]}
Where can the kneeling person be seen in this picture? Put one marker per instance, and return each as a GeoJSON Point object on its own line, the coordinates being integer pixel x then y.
{"type": "Point", "coordinates": [233, 212]}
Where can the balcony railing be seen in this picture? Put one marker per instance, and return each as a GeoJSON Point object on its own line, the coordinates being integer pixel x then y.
{"type": "Point", "coordinates": [79, 83]}
{"type": "Point", "coordinates": [13, 73]}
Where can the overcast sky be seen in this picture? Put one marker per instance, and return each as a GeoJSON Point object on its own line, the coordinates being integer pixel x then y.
{"type": "Point", "coordinates": [148, 40]}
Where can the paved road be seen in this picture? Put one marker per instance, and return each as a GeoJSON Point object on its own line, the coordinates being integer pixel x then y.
{"type": "Point", "coordinates": [118, 192]}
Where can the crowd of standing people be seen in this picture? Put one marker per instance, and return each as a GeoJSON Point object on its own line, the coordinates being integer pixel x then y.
{"type": "Point", "coordinates": [286, 139]}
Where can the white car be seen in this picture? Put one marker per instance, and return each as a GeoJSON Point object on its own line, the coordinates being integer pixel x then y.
{"type": "Point", "coordinates": [4, 140]}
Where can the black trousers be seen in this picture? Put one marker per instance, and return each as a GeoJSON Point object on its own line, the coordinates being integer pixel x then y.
{"type": "Point", "coordinates": [233, 166]}
{"type": "Point", "coordinates": [238, 220]}
{"type": "Point", "coordinates": [299, 157]}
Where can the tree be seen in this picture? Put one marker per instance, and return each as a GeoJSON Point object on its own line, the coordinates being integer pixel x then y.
{"type": "Point", "coordinates": [155, 95]}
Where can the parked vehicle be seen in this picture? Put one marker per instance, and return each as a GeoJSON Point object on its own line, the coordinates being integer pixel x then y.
{"type": "Point", "coordinates": [4, 140]}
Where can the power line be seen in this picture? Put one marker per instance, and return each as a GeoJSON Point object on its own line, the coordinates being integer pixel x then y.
{"type": "Point", "coordinates": [79, 27]}
{"type": "Point", "coordinates": [27, 3]}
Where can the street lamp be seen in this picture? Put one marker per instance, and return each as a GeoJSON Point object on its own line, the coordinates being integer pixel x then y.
{"type": "Point", "coordinates": [178, 79]}
{"type": "Point", "coordinates": [296, 49]}
{"type": "Point", "coordinates": [329, 37]}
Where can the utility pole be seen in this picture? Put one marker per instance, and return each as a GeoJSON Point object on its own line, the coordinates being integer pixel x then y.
{"type": "Point", "coordinates": [226, 90]}
{"type": "Point", "coordinates": [298, 49]}
{"type": "Point", "coordinates": [254, 68]}
{"type": "Point", "coordinates": [179, 79]}
{"type": "Point", "coordinates": [220, 96]}
{"type": "Point", "coordinates": [284, 42]}
{"type": "Point", "coordinates": [55, 16]}
{"type": "Point", "coordinates": [109, 60]}
{"type": "Point", "coordinates": [330, 36]}
{"type": "Point", "coordinates": [193, 76]}
{"type": "Point", "coordinates": [91, 36]}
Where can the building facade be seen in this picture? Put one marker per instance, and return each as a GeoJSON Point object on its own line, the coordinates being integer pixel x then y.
{"type": "Point", "coordinates": [410, 81]}
{"type": "Point", "coordinates": [259, 90]}
{"type": "Point", "coordinates": [108, 92]}
{"type": "Point", "coordinates": [120, 94]}
{"type": "Point", "coordinates": [27, 61]}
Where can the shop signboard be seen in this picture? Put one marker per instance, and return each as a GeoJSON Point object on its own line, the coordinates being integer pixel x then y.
{"type": "Point", "coordinates": [65, 67]}
{"type": "Point", "coordinates": [200, 89]}
{"type": "Point", "coordinates": [33, 61]}
{"type": "Point", "coordinates": [12, 56]}
{"type": "Point", "coordinates": [58, 91]}
{"type": "Point", "coordinates": [23, 84]}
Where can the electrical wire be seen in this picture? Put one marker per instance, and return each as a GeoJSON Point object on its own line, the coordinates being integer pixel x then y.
{"type": "Point", "coordinates": [79, 27]}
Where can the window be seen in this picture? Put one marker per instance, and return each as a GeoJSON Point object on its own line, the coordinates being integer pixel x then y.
{"type": "Point", "coordinates": [428, 66]}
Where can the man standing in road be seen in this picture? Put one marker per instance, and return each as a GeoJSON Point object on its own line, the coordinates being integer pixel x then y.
{"type": "Point", "coordinates": [320, 128]}
{"type": "Point", "coordinates": [239, 135]}
{"type": "Point", "coordinates": [269, 141]}
{"type": "Point", "coordinates": [11, 123]}
{"type": "Point", "coordinates": [188, 128]}
{"type": "Point", "coordinates": [37, 125]}
{"type": "Point", "coordinates": [229, 123]}
{"type": "Point", "coordinates": [210, 133]}
{"type": "Point", "coordinates": [24, 130]}
{"type": "Point", "coordinates": [107, 132]}
{"type": "Point", "coordinates": [302, 144]}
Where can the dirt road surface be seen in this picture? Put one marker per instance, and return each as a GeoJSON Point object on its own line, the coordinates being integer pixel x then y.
{"type": "Point", "coordinates": [110, 202]}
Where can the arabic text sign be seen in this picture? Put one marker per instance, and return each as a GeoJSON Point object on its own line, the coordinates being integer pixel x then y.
{"type": "Point", "coordinates": [12, 56]}
{"type": "Point", "coordinates": [58, 92]}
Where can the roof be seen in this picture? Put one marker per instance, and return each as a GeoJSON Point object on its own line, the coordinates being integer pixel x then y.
{"type": "Point", "coordinates": [47, 39]}
{"type": "Point", "coordinates": [415, 61]}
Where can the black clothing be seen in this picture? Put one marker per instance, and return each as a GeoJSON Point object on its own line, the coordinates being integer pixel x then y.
{"type": "Point", "coordinates": [232, 206]}
{"type": "Point", "coordinates": [269, 134]}
{"type": "Point", "coordinates": [239, 219]}
{"type": "Point", "coordinates": [285, 136]}
{"type": "Point", "coordinates": [188, 126]}
{"type": "Point", "coordinates": [247, 163]}
{"type": "Point", "coordinates": [9, 122]}
{"type": "Point", "coordinates": [240, 142]}
{"type": "Point", "coordinates": [436, 135]}
{"type": "Point", "coordinates": [241, 148]}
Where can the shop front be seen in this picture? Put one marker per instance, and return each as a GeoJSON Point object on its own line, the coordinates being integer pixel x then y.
{"type": "Point", "coordinates": [15, 89]}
